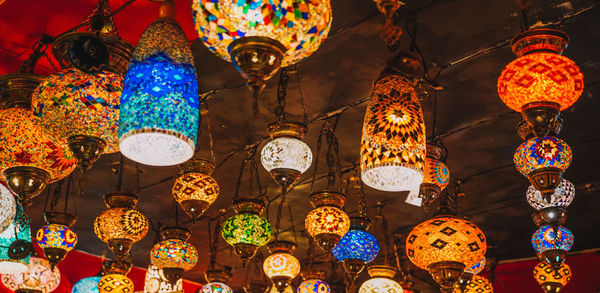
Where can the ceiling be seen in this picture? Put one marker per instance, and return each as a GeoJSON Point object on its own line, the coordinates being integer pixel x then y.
{"type": "Point", "coordinates": [477, 129]}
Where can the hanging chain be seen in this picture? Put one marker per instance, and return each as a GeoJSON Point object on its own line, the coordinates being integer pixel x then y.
{"type": "Point", "coordinates": [249, 155]}
{"type": "Point", "coordinates": [57, 191]}
{"type": "Point", "coordinates": [279, 212]}
{"type": "Point", "coordinates": [50, 61]}
{"type": "Point", "coordinates": [119, 171]}
{"type": "Point", "coordinates": [281, 94]}
{"type": "Point", "coordinates": [317, 154]}
{"type": "Point", "coordinates": [384, 225]}
{"type": "Point", "coordinates": [333, 161]}
{"type": "Point", "coordinates": [292, 225]}
{"type": "Point", "coordinates": [362, 200]}
{"type": "Point", "coordinates": [298, 79]}
{"type": "Point", "coordinates": [211, 142]}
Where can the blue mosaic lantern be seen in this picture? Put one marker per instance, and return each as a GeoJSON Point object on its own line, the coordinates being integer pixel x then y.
{"type": "Point", "coordinates": [87, 285]}
{"type": "Point", "coordinates": [18, 229]}
{"type": "Point", "coordinates": [357, 247]}
{"type": "Point", "coordinates": [552, 244]}
{"type": "Point", "coordinates": [158, 122]}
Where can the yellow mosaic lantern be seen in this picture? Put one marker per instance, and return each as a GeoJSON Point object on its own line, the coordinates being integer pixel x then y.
{"type": "Point", "coordinates": [327, 223]}
{"type": "Point", "coordinates": [115, 280]}
{"type": "Point", "coordinates": [550, 279]}
{"type": "Point", "coordinates": [477, 284]}
{"type": "Point", "coordinates": [195, 190]}
{"type": "Point", "coordinates": [173, 254]}
{"type": "Point", "coordinates": [382, 280]}
{"type": "Point", "coordinates": [281, 266]}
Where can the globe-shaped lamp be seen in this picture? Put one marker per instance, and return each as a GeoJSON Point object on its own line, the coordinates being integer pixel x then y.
{"type": "Point", "coordinates": [247, 230]}
{"type": "Point", "coordinates": [562, 197]}
{"type": "Point", "coordinates": [156, 282]}
{"type": "Point", "coordinates": [39, 277]}
{"type": "Point", "coordinates": [281, 266]}
{"type": "Point", "coordinates": [314, 282]}
{"type": "Point", "coordinates": [173, 254]}
{"type": "Point", "coordinates": [217, 282]}
{"type": "Point", "coordinates": [9, 207]}
{"type": "Point", "coordinates": [552, 279]}
{"type": "Point", "coordinates": [115, 280]}
{"type": "Point", "coordinates": [327, 223]}
{"type": "Point", "coordinates": [357, 248]}
{"type": "Point", "coordinates": [87, 285]}
{"type": "Point", "coordinates": [477, 284]}
{"type": "Point", "coordinates": [18, 230]}
{"type": "Point", "coordinates": [195, 190]}
{"type": "Point", "coordinates": [57, 238]}
{"type": "Point", "coordinates": [381, 280]}
{"type": "Point", "coordinates": [552, 244]}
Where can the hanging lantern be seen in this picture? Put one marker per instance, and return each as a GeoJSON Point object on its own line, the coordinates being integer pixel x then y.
{"type": "Point", "coordinates": [156, 282]}
{"type": "Point", "coordinates": [158, 122]}
{"type": "Point", "coordinates": [39, 277]}
{"type": "Point", "coordinates": [15, 248]}
{"type": "Point", "coordinates": [82, 107]}
{"type": "Point", "coordinates": [553, 211]}
{"type": "Point", "coordinates": [115, 280]}
{"type": "Point", "coordinates": [393, 137]}
{"type": "Point", "coordinates": [468, 274]}
{"type": "Point", "coordinates": [436, 174]}
{"type": "Point", "coordinates": [552, 280]}
{"type": "Point", "coordinates": [286, 156]}
{"type": "Point", "coordinates": [281, 266]}
{"type": "Point", "coordinates": [121, 225]}
{"type": "Point", "coordinates": [552, 244]}
{"type": "Point", "coordinates": [477, 284]}
{"type": "Point", "coordinates": [381, 281]}
{"type": "Point", "coordinates": [261, 36]}
{"type": "Point", "coordinates": [173, 255]}
{"type": "Point", "coordinates": [87, 285]}
{"type": "Point", "coordinates": [57, 238]}
{"type": "Point", "coordinates": [314, 282]}
{"type": "Point", "coordinates": [247, 230]}
{"type": "Point", "coordinates": [543, 162]}
{"type": "Point", "coordinates": [195, 190]}
{"type": "Point", "coordinates": [217, 282]}
{"type": "Point", "coordinates": [9, 207]}
{"type": "Point", "coordinates": [540, 82]}
{"type": "Point", "coordinates": [357, 248]}
{"type": "Point", "coordinates": [327, 223]}
{"type": "Point", "coordinates": [256, 287]}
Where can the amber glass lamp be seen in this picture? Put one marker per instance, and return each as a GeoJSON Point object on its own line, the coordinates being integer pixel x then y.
{"type": "Point", "coordinates": [540, 82]}
{"type": "Point", "coordinates": [382, 280]}
{"type": "Point", "coordinates": [39, 278]}
{"type": "Point", "coordinates": [115, 280]}
{"type": "Point", "coordinates": [247, 230]}
{"type": "Point", "coordinates": [57, 238]}
{"type": "Point", "coordinates": [281, 266]}
{"type": "Point", "coordinates": [195, 190]}
{"type": "Point", "coordinates": [477, 284]}
{"type": "Point", "coordinates": [551, 279]}
{"type": "Point", "coordinates": [327, 223]}
{"type": "Point", "coordinates": [173, 254]}
{"type": "Point", "coordinates": [261, 36]}
{"type": "Point", "coordinates": [436, 174]}
{"type": "Point", "coordinates": [121, 225]}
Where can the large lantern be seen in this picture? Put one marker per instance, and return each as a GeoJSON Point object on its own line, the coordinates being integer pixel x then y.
{"type": "Point", "coordinates": [381, 281]}
{"type": "Point", "coordinates": [195, 190]}
{"type": "Point", "coordinates": [173, 255]}
{"type": "Point", "coordinates": [158, 122]}
{"type": "Point", "coordinates": [217, 282]}
{"type": "Point", "coordinates": [121, 225]}
{"type": "Point", "coordinates": [247, 230]}
{"type": "Point", "coordinates": [327, 223]}
{"type": "Point", "coordinates": [357, 248]}
{"type": "Point", "coordinates": [261, 36]}
{"type": "Point", "coordinates": [281, 266]}
{"type": "Point", "coordinates": [540, 82]}
{"type": "Point", "coordinates": [314, 282]}
{"type": "Point", "coordinates": [552, 279]}
{"type": "Point", "coordinates": [543, 162]}
{"type": "Point", "coordinates": [156, 282]}
{"type": "Point", "coordinates": [477, 284]}
{"type": "Point", "coordinates": [115, 280]}
{"type": "Point", "coordinates": [393, 137]}
{"type": "Point", "coordinates": [39, 277]}
{"type": "Point", "coordinates": [17, 235]}
{"type": "Point", "coordinates": [57, 238]}
{"type": "Point", "coordinates": [436, 174]}
{"type": "Point", "coordinates": [286, 156]}
{"type": "Point", "coordinates": [9, 207]}
{"type": "Point", "coordinates": [552, 244]}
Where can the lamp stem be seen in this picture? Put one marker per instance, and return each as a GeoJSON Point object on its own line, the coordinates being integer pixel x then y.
{"type": "Point", "coordinates": [167, 9]}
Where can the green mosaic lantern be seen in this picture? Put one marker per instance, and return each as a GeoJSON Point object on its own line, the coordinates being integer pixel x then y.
{"type": "Point", "coordinates": [247, 230]}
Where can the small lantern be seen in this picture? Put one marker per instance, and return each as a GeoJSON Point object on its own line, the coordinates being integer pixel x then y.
{"type": "Point", "coordinates": [357, 248]}
{"type": "Point", "coordinates": [57, 238]}
{"type": "Point", "coordinates": [382, 280]}
{"type": "Point", "coordinates": [551, 279]}
{"type": "Point", "coordinates": [314, 282]}
{"type": "Point", "coordinates": [116, 279]}
{"type": "Point", "coordinates": [39, 278]}
{"type": "Point", "coordinates": [436, 174]}
{"type": "Point", "coordinates": [281, 266]}
{"type": "Point", "coordinates": [552, 244]}
{"type": "Point", "coordinates": [247, 230]}
{"type": "Point", "coordinates": [195, 190]}
{"type": "Point", "coordinates": [217, 282]}
{"type": "Point", "coordinates": [327, 223]}
{"type": "Point", "coordinates": [173, 255]}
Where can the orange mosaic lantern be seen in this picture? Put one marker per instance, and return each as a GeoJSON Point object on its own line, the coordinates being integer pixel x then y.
{"type": "Point", "coordinates": [436, 174]}
{"type": "Point", "coordinates": [551, 279]}
{"type": "Point", "coordinates": [195, 190]}
{"type": "Point", "coordinates": [327, 223]}
{"type": "Point", "coordinates": [281, 266]}
{"type": "Point", "coordinates": [540, 82]}
{"type": "Point", "coordinates": [477, 284]}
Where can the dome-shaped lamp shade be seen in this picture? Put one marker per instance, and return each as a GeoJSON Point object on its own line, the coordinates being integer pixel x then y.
{"type": "Point", "coordinates": [445, 239]}
{"type": "Point", "coordinates": [246, 229]}
{"type": "Point", "coordinates": [477, 284]}
{"type": "Point", "coordinates": [216, 287]}
{"type": "Point", "coordinates": [18, 229]}
{"type": "Point", "coordinates": [76, 103]}
{"type": "Point", "coordinates": [393, 137]}
{"type": "Point", "coordinates": [9, 207]}
{"type": "Point", "coordinates": [38, 276]}
{"type": "Point", "coordinates": [477, 268]}
{"type": "Point", "coordinates": [195, 192]}
{"type": "Point", "coordinates": [156, 282]}
{"type": "Point", "coordinates": [548, 238]}
{"type": "Point", "coordinates": [174, 253]}
{"type": "Point", "coordinates": [552, 152]}
{"type": "Point", "coordinates": [158, 122]}
{"type": "Point", "coordinates": [281, 264]}
{"type": "Point", "coordinates": [56, 240]}
{"type": "Point", "coordinates": [115, 283]}
{"type": "Point", "coordinates": [551, 278]}
{"type": "Point", "coordinates": [562, 197]}
{"type": "Point", "coordinates": [356, 244]}
{"type": "Point", "coordinates": [120, 228]}
{"type": "Point", "coordinates": [87, 285]}
{"type": "Point", "coordinates": [313, 286]}
{"type": "Point", "coordinates": [380, 285]}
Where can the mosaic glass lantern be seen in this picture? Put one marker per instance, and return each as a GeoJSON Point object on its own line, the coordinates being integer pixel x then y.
{"type": "Point", "coordinates": [543, 162]}
{"type": "Point", "coordinates": [357, 248]}
{"type": "Point", "coordinates": [156, 282]}
{"type": "Point", "coordinates": [247, 230]}
{"type": "Point", "coordinates": [552, 244]}
{"type": "Point", "coordinates": [121, 225]}
{"type": "Point", "coordinates": [173, 255]}
{"type": "Point", "coordinates": [551, 279]}
{"type": "Point", "coordinates": [314, 282]}
{"type": "Point", "coordinates": [393, 137]}
{"type": "Point", "coordinates": [57, 238]}
{"type": "Point", "coordinates": [562, 197]}
{"type": "Point", "coordinates": [18, 230]}
{"type": "Point", "coordinates": [477, 268]}
{"type": "Point", "coordinates": [256, 286]}
{"type": "Point", "coordinates": [158, 122]}
{"type": "Point", "coordinates": [83, 108]}
{"type": "Point", "coordinates": [468, 274]}
{"type": "Point", "coordinates": [39, 277]}
{"type": "Point", "coordinates": [381, 281]}
{"type": "Point", "coordinates": [115, 280]}
{"type": "Point", "coordinates": [477, 284]}
{"type": "Point", "coordinates": [281, 266]}
{"type": "Point", "coordinates": [9, 207]}
{"type": "Point", "coordinates": [217, 280]}
{"type": "Point", "coordinates": [87, 285]}
{"type": "Point", "coordinates": [540, 82]}
{"type": "Point", "coordinates": [436, 174]}
{"type": "Point", "coordinates": [261, 36]}
{"type": "Point", "coordinates": [327, 223]}
{"type": "Point", "coordinates": [445, 245]}
{"type": "Point", "coordinates": [286, 156]}
{"type": "Point", "coordinates": [195, 190]}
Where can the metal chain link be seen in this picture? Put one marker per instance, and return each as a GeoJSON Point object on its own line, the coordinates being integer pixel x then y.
{"type": "Point", "coordinates": [317, 154]}
{"type": "Point", "coordinates": [360, 188]}
{"type": "Point", "coordinates": [211, 141]}
{"type": "Point", "coordinates": [249, 155]}
{"type": "Point", "coordinates": [57, 191]}
{"type": "Point", "coordinates": [281, 94]}
{"type": "Point", "coordinates": [333, 162]}
{"type": "Point", "coordinates": [50, 61]}
{"type": "Point", "coordinates": [298, 78]}
{"type": "Point", "coordinates": [279, 212]}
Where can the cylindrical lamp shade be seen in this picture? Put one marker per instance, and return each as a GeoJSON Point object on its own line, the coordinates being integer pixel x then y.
{"type": "Point", "coordinates": [18, 229]}
{"type": "Point", "coordinates": [545, 273]}
{"type": "Point", "coordinates": [156, 282]}
{"type": "Point", "coordinates": [281, 265]}
{"type": "Point", "coordinates": [552, 238]}
{"type": "Point", "coordinates": [38, 276]}
{"type": "Point", "coordinates": [158, 122]}
{"type": "Point", "coordinates": [380, 285]}
{"type": "Point", "coordinates": [477, 284]}
{"type": "Point", "coordinates": [76, 103]}
{"type": "Point", "coordinates": [216, 287]}
{"type": "Point", "coordinates": [552, 152]}
{"type": "Point", "coordinates": [357, 244]}
{"type": "Point", "coordinates": [24, 142]}
{"type": "Point", "coordinates": [87, 285]}
{"type": "Point", "coordinates": [393, 137]}
{"type": "Point", "coordinates": [299, 25]}
{"type": "Point", "coordinates": [9, 207]}
{"type": "Point", "coordinates": [313, 286]}
{"type": "Point", "coordinates": [562, 197]}
{"type": "Point", "coordinates": [115, 283]}
{"type": "Point", "coordinates": [174, 253]}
